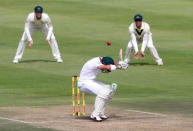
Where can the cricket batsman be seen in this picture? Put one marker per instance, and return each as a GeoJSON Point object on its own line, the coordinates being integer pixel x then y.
{"type": "Point", "coordinates": [140, 33]}
{"type": "Point", "coordinates": [104, 93]}
{"type": "Point", "coordinates": [38, 21]}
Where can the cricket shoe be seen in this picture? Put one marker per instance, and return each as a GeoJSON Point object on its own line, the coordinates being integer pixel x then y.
{"type": "Point", "coordinates": [103, 117]}
{"type": "Point", "coordinates": [59, 60]}
{"type": "Point", "coordinates": [15, 61]}
{"type": "Point", "coordinates": [96, 118]}
{"type": "Point", "coordinates": [160, 62]}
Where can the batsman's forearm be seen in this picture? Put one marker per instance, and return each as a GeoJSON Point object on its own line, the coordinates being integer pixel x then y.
{"type": "Point", "coordinates": [116, 64]}
{"type": "Point", "coordinates": [104, 67]}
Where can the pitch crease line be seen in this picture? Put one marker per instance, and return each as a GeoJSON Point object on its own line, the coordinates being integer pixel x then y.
{"type": "Point", "coordinates": [150, 113]}
{"type": "Point", "coordinates": [15, 120]}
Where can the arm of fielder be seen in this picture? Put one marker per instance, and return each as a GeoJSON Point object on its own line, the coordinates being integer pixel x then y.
{"type": "Point", "coordinates": [48, 42]}
{"type": "Point", "coordinates": [50, 28]}
{"type": "Point", "coordinates": [145, 41]}
{"type": "Point", "coordinates": [134, 42]}
{"type": "Point", "coordinates": [27, 25]}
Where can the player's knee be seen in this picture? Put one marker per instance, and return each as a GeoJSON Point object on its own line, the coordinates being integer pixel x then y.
{"type": "Point", "coordinates": [105, 92]}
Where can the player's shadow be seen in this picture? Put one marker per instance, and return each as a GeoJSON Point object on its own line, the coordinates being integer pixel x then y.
{"type": "Point", "coordinates": [83, 117]}
{"type": "Point", "coordinates": [87, 118]}
{"type": "Point", "coordinates": [141, 64]}
{"type": "Point", "coordinates": [38, 60]}
{"type": "Point", "coordinates": [119, 118]}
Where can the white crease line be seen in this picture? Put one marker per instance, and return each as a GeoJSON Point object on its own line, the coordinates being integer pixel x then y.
{"type": "Point", "coordinates": [15, 120]}
{"type": "Point", "coordinates": [150, 113]}
{"type": "Point", "coordinates": [47, 121]}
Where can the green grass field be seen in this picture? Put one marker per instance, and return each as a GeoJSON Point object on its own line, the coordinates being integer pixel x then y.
{"type": "Point", "coordinates": [82, 27]}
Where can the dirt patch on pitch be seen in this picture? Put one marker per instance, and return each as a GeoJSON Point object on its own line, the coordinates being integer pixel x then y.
{"type": "Point", "coordinates": [60, 118]}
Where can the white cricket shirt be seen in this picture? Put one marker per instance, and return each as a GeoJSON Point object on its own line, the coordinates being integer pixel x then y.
{"type": "Point", "coordinates": [90, 70]}
{"type": "Point", "coordinates": [33, 23]}
{"type": "Point", "coordinates": [139, 35]}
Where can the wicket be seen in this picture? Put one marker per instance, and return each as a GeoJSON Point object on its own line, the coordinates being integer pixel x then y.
{"type": "Point", "coordinates": [75, 83]}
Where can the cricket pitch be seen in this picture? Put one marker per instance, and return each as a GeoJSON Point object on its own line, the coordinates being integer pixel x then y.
{"type": "Point", "coordinates": [60, 118]}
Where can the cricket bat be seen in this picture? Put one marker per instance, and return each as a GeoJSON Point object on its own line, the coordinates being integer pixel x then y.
{"type": "Point", "coordinates": [121, 55]}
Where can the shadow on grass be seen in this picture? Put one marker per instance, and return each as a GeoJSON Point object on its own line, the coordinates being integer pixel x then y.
{"type": "Point", "coordinates": [32, 61]}
{"type": "Point", "coordinates": [142, 64]}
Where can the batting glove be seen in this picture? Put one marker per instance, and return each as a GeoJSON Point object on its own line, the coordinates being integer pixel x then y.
{"type": "Point", "coordinates": [123, 65]}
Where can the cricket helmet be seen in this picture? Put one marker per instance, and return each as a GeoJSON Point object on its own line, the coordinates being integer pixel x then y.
{"type": "Point", "coordinates": [138, 17]}
{"type": "Point", "coordinates": [107, 60]}
{"type": "Point", "coordinates": [38, 9]}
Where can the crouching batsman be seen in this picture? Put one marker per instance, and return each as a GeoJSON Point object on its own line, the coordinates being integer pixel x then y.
{"type": "Point", "coordinates": [104, 93]}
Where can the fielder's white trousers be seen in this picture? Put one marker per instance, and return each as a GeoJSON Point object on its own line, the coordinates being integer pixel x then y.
{"type": "Point", "coordinates": [91, 87]}
{"type": "Point", "coordinates": [150, 46]}
{"type": "Point", "coordinates": [24, 41]}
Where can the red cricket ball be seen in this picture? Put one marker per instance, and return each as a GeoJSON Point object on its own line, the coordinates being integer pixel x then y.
{"type": "Point", "coordinates": [108, 43]}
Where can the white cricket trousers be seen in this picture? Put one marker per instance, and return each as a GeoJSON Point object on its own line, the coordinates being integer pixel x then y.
{"type": "Point", "coordinates": [91, 86]}
{"type": "Point", "coordinates": [95, 87]}
{"type": "Point", "coordinates": [150, 46]}
{"type": "Point", "coordinates": [24, 41]}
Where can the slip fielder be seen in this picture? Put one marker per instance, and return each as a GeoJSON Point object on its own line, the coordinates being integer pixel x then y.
{"type": "Point", "coordinates": [140, 33]}
{"type": "Point", "coordinates": [104, 93]}
{"type": "Point", "coordinates": [38, 21]}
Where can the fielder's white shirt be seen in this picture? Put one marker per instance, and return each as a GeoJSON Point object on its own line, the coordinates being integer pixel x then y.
{"type": "Point", "coordinates": [138, 35]}
{"type": "Point", "coordinates": [33, 23]}
{"type": "Point", "coordinates": [90, 70]}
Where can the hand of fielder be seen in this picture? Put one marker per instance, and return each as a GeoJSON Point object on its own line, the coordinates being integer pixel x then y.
{"type": "Point", "coordinates": [137, 55]}
{"type": "Point", "coordinates": [30, 43]}
{"type": "Point", "coordinates": [142, 55]}
{"type": "Point", "coordinates": [48, 42]}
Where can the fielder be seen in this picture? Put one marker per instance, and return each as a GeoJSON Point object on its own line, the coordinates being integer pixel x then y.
{"type": "Point", "coordinates": [104, 93]}
{"type": "Point", "coordinates": [140, 33]}
{"type": "Point", "coordinates": [38, 21]}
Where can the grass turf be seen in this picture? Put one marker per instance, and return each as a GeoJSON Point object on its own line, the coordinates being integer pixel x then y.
{"type": "Point", "coordinates": [82, 27]}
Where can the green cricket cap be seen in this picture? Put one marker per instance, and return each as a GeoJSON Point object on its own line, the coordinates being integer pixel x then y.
{"type": "Point", "coordinates": [38, 9]}
{"type": "Point", "coordinates": [107, 60]}
{"type": "Point", "coordinates": [138, 17]}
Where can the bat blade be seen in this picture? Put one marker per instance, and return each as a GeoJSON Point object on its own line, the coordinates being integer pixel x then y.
{"type": "Point", "coordinates": [121, 55]}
